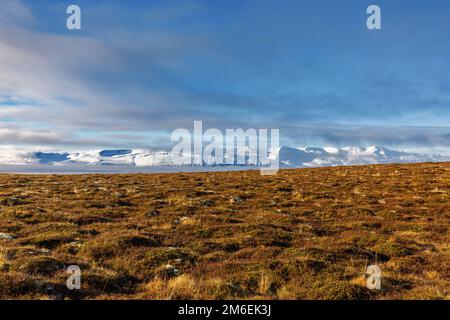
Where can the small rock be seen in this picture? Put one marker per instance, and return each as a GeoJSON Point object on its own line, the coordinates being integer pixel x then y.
{"type": "Point", "coordinates": [207, 203]}
{"type": "Point", "coordinates": [152, 213]}
{"type": "Point", "coordinates": [167, 271]}
{"type": "Point", "coordinates": [180, 220]}
{"type": "Point", "coordinates": [12, 201]}
{"type": "Point", "coordinates": [6, 236]}
{"type": "Point", "coordinates": [236, 199]}
{"type": "Point", "coordinates": [171, 270]}
{"type": "Point", "coordinates": [39, 283]}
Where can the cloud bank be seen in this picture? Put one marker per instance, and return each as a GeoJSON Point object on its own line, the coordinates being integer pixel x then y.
{"type": "Point", "coordinates": [138, 71]}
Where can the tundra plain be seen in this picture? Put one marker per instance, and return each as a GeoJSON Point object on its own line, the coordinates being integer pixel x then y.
{"type": "Point", "coordinates": [300, 234]}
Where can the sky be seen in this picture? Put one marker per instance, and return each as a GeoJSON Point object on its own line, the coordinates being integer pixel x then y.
{"type": "Point", "coordinates": [137, 70]}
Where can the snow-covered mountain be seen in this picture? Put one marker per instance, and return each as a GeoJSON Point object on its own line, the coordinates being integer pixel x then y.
{"type": "Point", "coordinates": [329, 156]}
{"type": "Point", "coordinates": [288, 157]}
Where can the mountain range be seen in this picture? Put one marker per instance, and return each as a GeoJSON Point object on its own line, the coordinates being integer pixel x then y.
{"type": "Point", "coordinates": [289, 157]}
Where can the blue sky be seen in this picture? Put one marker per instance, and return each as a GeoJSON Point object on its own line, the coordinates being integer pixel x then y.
{"type": "Point", "coordinates": [140, 69]}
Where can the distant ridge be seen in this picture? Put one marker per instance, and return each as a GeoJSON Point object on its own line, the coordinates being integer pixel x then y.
{"type": "Point", "coordinates": [289, 157]}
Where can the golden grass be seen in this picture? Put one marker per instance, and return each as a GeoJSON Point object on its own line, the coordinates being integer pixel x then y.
{"type": "Point", "coordinates": [301, 234]}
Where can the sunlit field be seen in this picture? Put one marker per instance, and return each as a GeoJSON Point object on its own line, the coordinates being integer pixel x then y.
{"type": "Point", "coordinates": [300, 234]}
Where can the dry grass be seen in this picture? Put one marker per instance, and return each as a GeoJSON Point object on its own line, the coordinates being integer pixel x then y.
{"type": "Point", "coordinates": [301, 234]}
